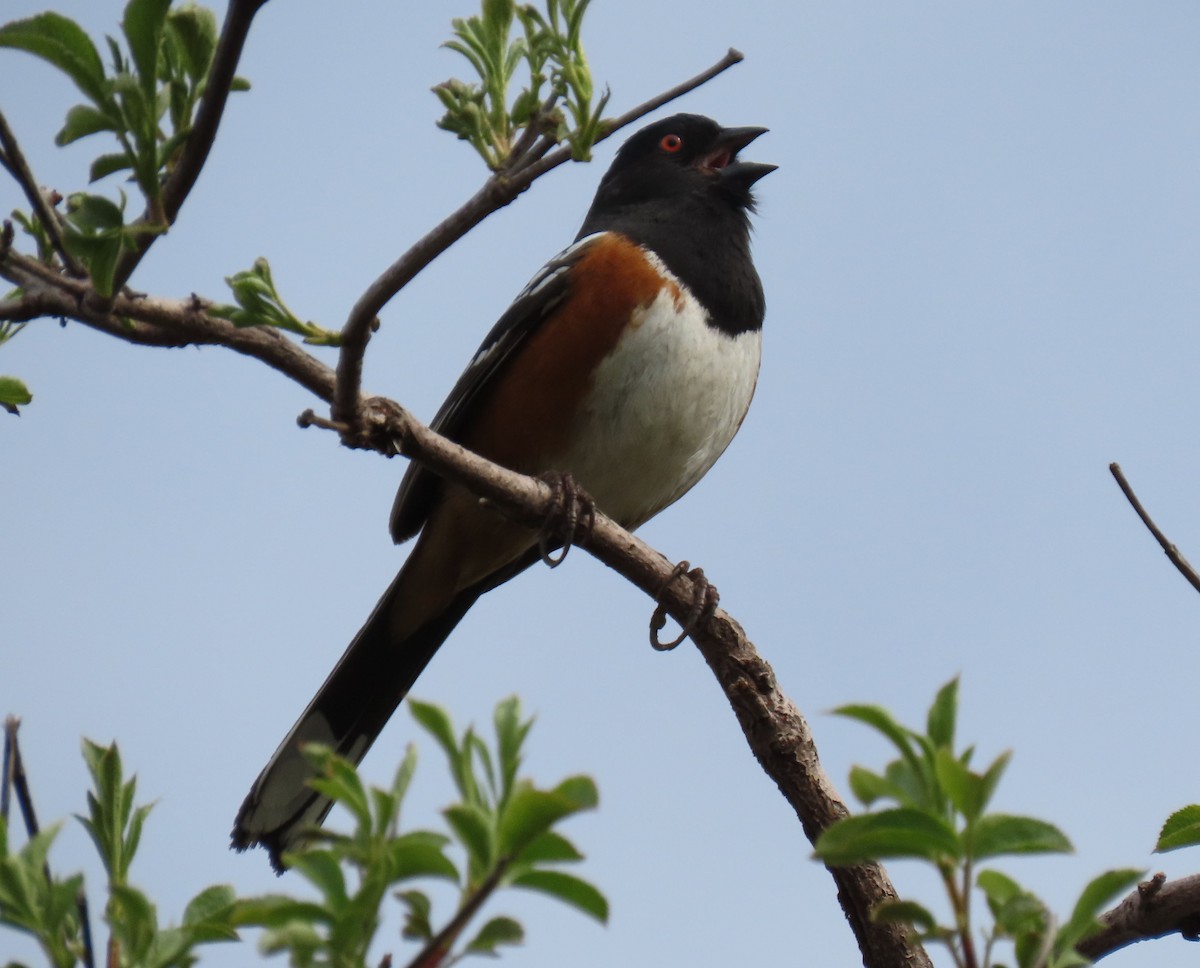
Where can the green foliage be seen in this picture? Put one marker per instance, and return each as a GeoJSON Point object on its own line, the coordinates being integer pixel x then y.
{"type": "Point", "coordinates": [1182, 829]}
{"type": "Point", "coordinates": [36, 904]}
{"type": "Point", "coordinates": [502, 824]}
{"type": "Point", "coordinates": [259, 304]}
{"type": "Point", "coordinates": [14, 394]}
{"type": "Point", "coordinates": [509, 840]}
{"type": "Point", "coordinates": [146, 100]}
{"type": "Point", "coordinates": [551, 48]}
{"type": "Point", "coordinates": [940, 816]}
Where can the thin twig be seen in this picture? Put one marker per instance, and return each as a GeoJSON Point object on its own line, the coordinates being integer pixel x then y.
{"type": "Point", "coordinates": [6, 778]}
{"type": "Point", "coordinates": [85, 930]}
{"type": "Point", "coordinates": [20, 782]}
{"type": "Point", "coordinates": [182, 179]}
{"type": "Point", "coordinates": [18, 167]}
{"type": "Point", "coordinates": [499, 190]}
{"type": "Point", "coordinates": [1177, 558]}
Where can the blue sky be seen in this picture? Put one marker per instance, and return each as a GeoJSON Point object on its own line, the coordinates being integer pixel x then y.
{"type": "Point", "coordinates": [980, 258]}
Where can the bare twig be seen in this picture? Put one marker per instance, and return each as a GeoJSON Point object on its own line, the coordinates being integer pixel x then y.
{"type": "Point", "coordinates": [498, 191]}
{"type": "Point", "coordinates": [14, 161]}
{"type": "Point", "coordinates": [85, 930]}
{"type": "Point", "coordinates": [182, 179]}
{"type": "Point", "coordinates": [6, 777]}
{"type": "Point", "coordinates": [1155, 909]}
{"type": "Point", "coordinates": [1176, 556]}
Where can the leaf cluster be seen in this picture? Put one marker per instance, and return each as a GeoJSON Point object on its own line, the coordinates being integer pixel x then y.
{"type": "Point", "coordinates": [260, 304]}
{"type": "Point", "coordinates": [35, 901]}
{"type": "Point", "coordinates": [940, 816]}
{"type": "Point", "coordinates": [556, 69]}
{"type": "Point", "coordinates": [146, 99]}
{"type": "Point", "coordinates": [504, 824]}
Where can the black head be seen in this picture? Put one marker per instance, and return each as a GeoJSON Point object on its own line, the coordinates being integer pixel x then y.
{"type": "Point", "coordinates": [679, 188]}
{"type": "Point", "coordinates": [681, 156]}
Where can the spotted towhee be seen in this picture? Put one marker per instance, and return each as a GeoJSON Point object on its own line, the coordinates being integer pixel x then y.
{"type": "Point", "coordinates": [629, 362]}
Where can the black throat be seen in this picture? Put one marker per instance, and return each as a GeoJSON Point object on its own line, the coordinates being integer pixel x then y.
{"type": "Point", "coordinates": [702, 236]}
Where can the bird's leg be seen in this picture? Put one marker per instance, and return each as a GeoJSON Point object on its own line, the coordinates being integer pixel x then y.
{"type": "Point", "coordinates": [569, 522]}
{"type": "Point", "coordinates": [704, 603]}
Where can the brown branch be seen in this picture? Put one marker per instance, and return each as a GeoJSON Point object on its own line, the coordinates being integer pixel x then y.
{"type": "Point", "coordinates": [498, 191]}
{"type": "Point", "coordinates": [1155, 909]}
{"type": "Point", "coordinates": [18, 167]}
{"type": "Point", "coordinates": [1176, 556]}
{"type": "Point", "coordinates": [182, 179]}
{"type": "Point", "coordinates": [149, 321]}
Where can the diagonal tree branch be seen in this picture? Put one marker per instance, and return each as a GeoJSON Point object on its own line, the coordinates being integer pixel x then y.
{"type": "Point", "coordinates": [498, 191]}
{"type": "Point", "coordinates": [14, 162]}
{"type": "Point", "coordinates": [1172, 552]}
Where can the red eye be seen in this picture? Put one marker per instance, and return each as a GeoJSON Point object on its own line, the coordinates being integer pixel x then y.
{"type": "Point", "coordinates": [671, 143]}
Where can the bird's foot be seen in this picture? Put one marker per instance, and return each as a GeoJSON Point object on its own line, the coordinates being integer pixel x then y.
{"type": "Point", "coordinates": [704, 603]}
{"type": "Point", "coordinates": [569, 522]}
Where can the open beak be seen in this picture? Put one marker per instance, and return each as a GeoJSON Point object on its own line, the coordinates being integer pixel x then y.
{"type": "Point", "coordinates": [723, 160]}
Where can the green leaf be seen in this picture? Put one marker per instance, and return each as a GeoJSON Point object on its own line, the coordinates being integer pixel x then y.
{"type": "Point", "coordinates": [530, 812]}
{"type": "Point", "coordinates": [417, 926]}
{"type": "Point", "coordinates": [436, 722]}
{"type": "Point", "coordinates": [13, 394]}
{"type": "Point", "coordinates": [143, 27]}
{"type": "Point", "coordinates": [496, 932]}
{"type": "Point", "coordinates": [550, 848]}
{"type": "Point", "coordinates": [580, 790]}
{"type": "Point", "coordinates": [943, 715]}
{"type": "Point", "coordinates": [1182, 829]}
{"type": "Point", "coordinates": [569, 889]}
{"type": "Point", "coordinates": [960, 785]}
{"type": "Point", "coordinates": [414, 855]}
{"type": "Point", "coordinates": [1095, 897]}
{"type": "Point", "coordinates": [107, 164]}
{"type": "Point", "coordinates": [510, 736]}
{"type": "Point", "coordinates": [195, 32]}
{"type": "Point", "coordinates": [881, 720]}
{"type": "Point", "coordinates": [94, 214]}
{"type": "Point", "coordinates": [275, 910]}
{"type": "Point", "coordinates": [999, 833]}
{"type": "Point", "coordinates": [63, 43]}
{"type": "Point", "coordinates": [904, 912]}
{"type": "Point", "coordinates": [83, 120]}
{"type": "Point", "coordinates": [211, 904]}
{"type": "Point", "coordinates": [321, 869]}
{"type": "Point", "coordinates": [870, 787]}
{"type": "Point", "coordinates": [901, 832]}
{"type": "Point", "coordinates": [473, 828]}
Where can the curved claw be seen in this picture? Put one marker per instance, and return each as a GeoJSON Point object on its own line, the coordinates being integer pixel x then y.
{"type": "Point", "coordinates": [703, 606]}
{"type": "Point", "coordinates": [570, 522]}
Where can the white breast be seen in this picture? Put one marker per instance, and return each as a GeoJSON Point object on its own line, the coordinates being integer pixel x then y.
{"type": "Point", "coordinates": [667, 402]}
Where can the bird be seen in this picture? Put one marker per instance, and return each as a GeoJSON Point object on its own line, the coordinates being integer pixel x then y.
{"type": "Point", "coordinates": [628, 362]}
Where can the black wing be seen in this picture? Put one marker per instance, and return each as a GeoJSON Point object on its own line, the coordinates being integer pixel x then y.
{"type": "Point", "coordinates": [420, 488]}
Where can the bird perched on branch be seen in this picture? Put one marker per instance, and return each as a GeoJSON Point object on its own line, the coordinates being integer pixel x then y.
{"type": "Point", "coordinates": [628, 362]}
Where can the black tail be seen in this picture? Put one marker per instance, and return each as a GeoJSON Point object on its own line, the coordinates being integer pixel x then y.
{"type": "Point", "coordinates": [349, 711]}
